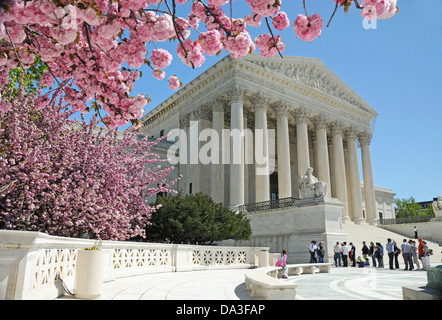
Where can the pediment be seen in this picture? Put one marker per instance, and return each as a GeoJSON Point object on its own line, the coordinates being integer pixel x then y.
{"type": "Point", "coordinates": [312, 73]}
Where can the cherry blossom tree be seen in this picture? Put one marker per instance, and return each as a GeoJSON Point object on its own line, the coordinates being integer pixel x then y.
{"type": "Point", "coordinates": [71, 178]}
{"type": "Point", "coordinates": [87, 42]}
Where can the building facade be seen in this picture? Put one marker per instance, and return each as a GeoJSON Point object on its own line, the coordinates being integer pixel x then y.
{"type": "Point", "coordinates": [245, 130]}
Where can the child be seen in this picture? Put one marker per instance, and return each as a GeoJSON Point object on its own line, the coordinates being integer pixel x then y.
{"type": "Point", "coordinates": [282, 262]}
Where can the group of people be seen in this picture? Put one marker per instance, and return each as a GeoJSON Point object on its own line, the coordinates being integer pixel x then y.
{"type": "Point", "coordinates": [413, 254]}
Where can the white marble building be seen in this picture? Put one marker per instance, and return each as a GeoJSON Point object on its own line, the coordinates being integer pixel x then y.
{"type": "Point", "coordinates": [310, 116]}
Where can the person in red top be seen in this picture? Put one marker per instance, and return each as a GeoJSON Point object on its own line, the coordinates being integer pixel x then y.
{"type": "Point", "coordinates": [420, 249]}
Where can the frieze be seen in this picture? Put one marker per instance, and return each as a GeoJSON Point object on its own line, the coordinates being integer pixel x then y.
{"type": "Point", "coordinates": [311, 76]}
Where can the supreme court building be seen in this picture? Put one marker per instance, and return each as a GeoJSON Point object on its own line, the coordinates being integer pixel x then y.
{"type": "Point", "coordinates": [306, 116]}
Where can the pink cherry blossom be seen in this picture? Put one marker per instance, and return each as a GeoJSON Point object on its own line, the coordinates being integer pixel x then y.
{"type": "Point", "coordinates": [309, 28]}
{"type": "Point", "coordinates": [78, 177]}
{"type": "Point", "coordinates": [266, 45]}
{"type": "Point", "coordinates": [239, 45]}
{"type": "Point", "coordinates": [380, 9]}
{"type": "Point", "coordinates": [265, 7]}
{"type": "Point", "coordinates": [210, 42]}
{"type": "Point", "coordinates": [174, 83]}
{"type": "Point", "coordinates": [253, 20]}
{"type": "Point", "coordinates": [161, 58]}
{"type": "Point", "coordinates": [159, 74]}
{"type": "Point", "coordinates": [92, 43]}
{"type": "Point", "coordinates": [190, 53]}
{"type": "Point", "coordinates": [280, 21]}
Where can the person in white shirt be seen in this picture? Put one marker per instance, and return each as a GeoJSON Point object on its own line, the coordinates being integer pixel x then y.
{"type": "Point", "coordinates": [337, 251]}
{"type": "Point", "coordinates": [344, 251]}
{"type": "Point", "coordinates": [312, 249]}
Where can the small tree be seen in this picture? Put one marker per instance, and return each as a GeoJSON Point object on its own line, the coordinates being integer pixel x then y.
{"type": "Point", "coordinates": [407, 207]}
{"type": "Point", "coordinates": [195, 219]}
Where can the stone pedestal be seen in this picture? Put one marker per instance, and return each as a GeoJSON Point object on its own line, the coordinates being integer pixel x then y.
{"type": "Point", "coordinates": [293, 228]}
{"type": "Point", "coordinates": [433, 289]}
{"type": "Point", "coordinates": [434, 277]}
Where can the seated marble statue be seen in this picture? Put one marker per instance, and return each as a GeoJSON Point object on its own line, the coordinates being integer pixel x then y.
{"type": "Point", "coordinates": [310, 186]}
{"type": "Point", "coordinates": [437, 204]}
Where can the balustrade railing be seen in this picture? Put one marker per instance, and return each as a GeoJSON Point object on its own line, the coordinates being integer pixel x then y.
{"type": "Point", "coordinates": [405, 220]}
{"type": "Point", "coordinates": [33, 263]}
{"type": "Point", "coordinates": [267, 205]}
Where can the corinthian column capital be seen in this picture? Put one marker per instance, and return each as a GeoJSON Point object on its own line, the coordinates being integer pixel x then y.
{"type": "Point", "coordinates": [364, 138]}
{"type": "Point", "coordinates": [237, 94]}
{"type": "Point", "coordinates": [259, 102]}
{"type": "Point", "coordinates": [301, 116]}
{"type": "Point", "coordinates": [281, 109]}
{"type": "Point", "coordinates": [320, 122]}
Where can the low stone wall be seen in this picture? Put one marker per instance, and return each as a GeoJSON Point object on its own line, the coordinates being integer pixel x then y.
{"type": "Point", "coordinates": [426, 230]}
{"type": "Point", "coordinates": [32, 263]}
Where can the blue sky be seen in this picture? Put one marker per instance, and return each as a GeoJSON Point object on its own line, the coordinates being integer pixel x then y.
{"type": "Point", "coordinates": [396, 68]}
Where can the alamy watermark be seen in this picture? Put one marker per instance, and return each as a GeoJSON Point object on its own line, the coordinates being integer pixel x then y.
{"type": "Point", "coordinates": [230, 146]}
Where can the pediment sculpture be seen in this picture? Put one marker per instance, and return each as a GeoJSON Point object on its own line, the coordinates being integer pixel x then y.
{"type": "Point", "coordinates": [310, 186]}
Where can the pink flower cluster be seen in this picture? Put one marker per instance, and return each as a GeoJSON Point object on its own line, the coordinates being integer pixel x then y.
{"type": "Point", "coordinates": [308, 28]}
{"type": "Point", "coordinates": [378, 9]}
{"type": "Point", "coordinates": [269, 46]}
{"type": "Point", "coordinates": [265, 8]}
{"type": "Point", "coordinates": [190, 53]}
{"type": "Point", "coordinates": [160, 58]}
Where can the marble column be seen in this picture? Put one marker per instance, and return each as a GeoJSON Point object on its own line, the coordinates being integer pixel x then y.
{"type": "Point", "coordinates": [262, 178]}
{"type": "Point", "coordinates": [217, 176]}
{"type": "Point", "coordinates": [367, 171]}
{"type": "Point", "coordinates": [355, 177]}
{"type": "Point", "coordinates": [301, 119]}
{"type": "Point", "coordinates": [236, 146]}
{"type": "Point", "coordinates": [184, 137]}
{"type": "Point", "coordinates": [322, 152]}
{"type": "Point", "coordinates": [283, 150]}
{"type": "Point", "coordinates": [338, 162]}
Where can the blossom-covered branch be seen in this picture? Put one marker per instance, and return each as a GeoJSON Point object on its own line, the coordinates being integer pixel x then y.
{"type": "Point", "coordinates": [88, 41]}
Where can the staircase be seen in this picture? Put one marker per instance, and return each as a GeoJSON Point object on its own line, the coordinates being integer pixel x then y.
{"type": "Point", "coordinates": [358, 233]}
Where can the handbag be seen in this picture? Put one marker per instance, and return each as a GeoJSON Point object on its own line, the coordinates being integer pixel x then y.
{"type": "Point", "coordinates": [279, 262]}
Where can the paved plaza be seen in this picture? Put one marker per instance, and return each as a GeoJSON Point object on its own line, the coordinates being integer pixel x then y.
{"type": "Point", "coordinates": [340, 284]}
{"type": "Point", "coordinates": [350, 283]}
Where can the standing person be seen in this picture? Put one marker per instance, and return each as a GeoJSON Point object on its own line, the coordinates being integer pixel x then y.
{"type": "Point", "coordinates": [425, 256]}
{"type": "Point", "coordinates": [353, 254]}
{"type": "Point", "coordinates": [337, 251]}
{"type": "Point", "coordinates": [414, 255]}
{"type": "Point", "coordinates": [320, 252]}
{"type": "Point", "coordinates": [396, 254]}
{"type": "Point", "coordinates": [390, 251]}
{"type": "Point", "coordinates": [379, 254]}
{"type": "Point", "coordinates": [312, 249]}
{"type": "Point", "coordinates": [371, 254]}
{"type": "Point", "coordinates": [406, 251]}
{"type": "Point", "coordinates": [344, 251]}
{"type": "Point", "coordinates": [365, 251]}
{"type": "Point", "coordinates": [419, 249]}
{"type": "Point", "coordinates": [415, 232]}
{"type": "Point", "coordinates": [282, 262]}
